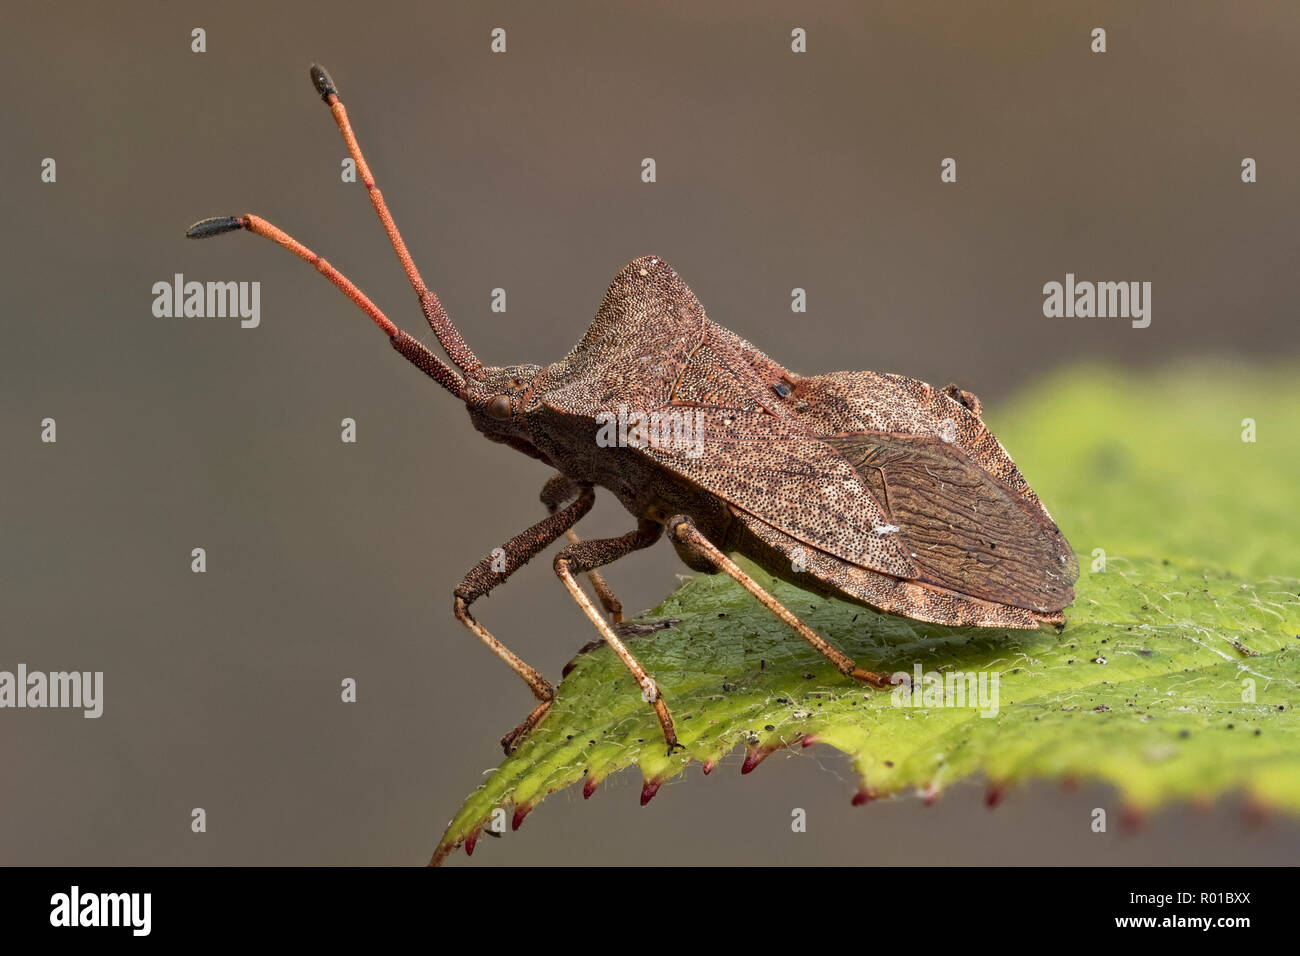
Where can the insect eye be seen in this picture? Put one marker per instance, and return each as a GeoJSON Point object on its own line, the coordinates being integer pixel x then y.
{"type": "Point", "coordinates": [499, 407]}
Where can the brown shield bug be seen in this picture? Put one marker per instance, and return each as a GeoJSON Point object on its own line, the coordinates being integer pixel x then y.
{"type": "Point", "coordinates": [873, 488]}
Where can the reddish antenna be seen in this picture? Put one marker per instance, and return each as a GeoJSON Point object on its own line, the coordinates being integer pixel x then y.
{"type": "Point", "coordinates": [415, 352]}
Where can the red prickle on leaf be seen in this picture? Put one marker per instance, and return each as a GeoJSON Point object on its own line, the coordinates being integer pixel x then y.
{"type": "Point", "coordinates": [755, 756]}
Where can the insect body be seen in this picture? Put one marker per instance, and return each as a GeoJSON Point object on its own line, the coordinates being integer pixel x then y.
{"type": "Point", "coordinates": [871, 487]}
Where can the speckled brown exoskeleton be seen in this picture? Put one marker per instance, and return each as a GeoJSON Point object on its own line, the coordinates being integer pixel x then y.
{"type": "Point", "coordinates": [874, 488]}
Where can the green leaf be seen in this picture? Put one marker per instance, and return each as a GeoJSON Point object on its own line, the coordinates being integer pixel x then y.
{"type": "Point", "coordinates": [1174, 679]}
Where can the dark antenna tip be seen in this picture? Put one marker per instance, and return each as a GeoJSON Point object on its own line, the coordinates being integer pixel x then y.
{"type": "Point", "coordinates": [214, 227]}
{"type": "Point", "coordinates": [320, 79]}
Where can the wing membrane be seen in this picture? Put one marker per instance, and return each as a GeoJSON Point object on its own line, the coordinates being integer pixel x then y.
{"type": "Point", "coordinates": [966, 530]}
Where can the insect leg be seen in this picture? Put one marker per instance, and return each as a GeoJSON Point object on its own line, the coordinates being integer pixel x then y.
{"type": "Point", "coordinates": [585, 555]}
{"type": "Point", "coordinates": [484, 576]}
{"type": "Point", "coordinates": [448, 337]}
{"type": "Point", "coordinates": [612, 605]}
{"type": "Point", "coordinates": [558, 490]}
{"type": "Point", "coordinates": [683, 529]}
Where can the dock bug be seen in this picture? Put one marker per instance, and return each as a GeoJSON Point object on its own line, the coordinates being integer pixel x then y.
{"type": "Point", "coordinates": [872, 488]}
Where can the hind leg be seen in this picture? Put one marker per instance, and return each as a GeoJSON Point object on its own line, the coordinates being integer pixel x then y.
{"type": "Point", "coordinates": [682, 529]}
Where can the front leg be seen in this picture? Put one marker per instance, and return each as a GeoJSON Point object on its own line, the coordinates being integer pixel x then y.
{"type": "Point", "coordinates": [484, 576]}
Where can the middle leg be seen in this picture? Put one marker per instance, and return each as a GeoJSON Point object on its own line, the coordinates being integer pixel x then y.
{"type": "Point", "coordinates": [586, 555]}
{"type": "Point", "coordinates": [556, 491]}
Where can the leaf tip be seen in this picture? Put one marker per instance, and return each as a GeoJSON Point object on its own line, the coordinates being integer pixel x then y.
{"type": "Point", "coordinates": [440, 854]}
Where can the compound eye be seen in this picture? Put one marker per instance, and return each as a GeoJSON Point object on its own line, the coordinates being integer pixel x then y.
{"type": "Point", "coordinates": [499, 407]}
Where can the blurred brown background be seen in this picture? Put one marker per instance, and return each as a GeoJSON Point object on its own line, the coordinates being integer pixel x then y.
{"type": "Point", "coordinates": [522, 170]}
